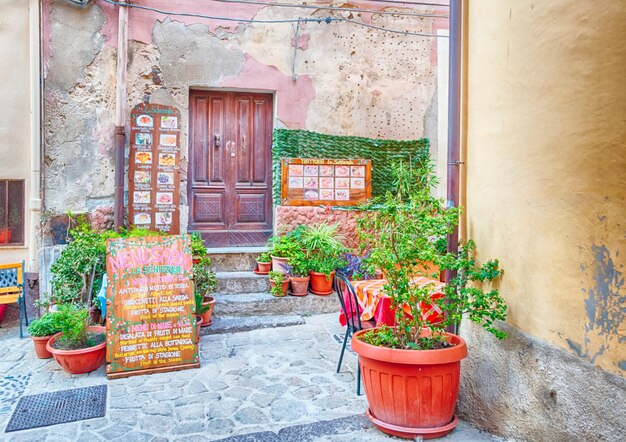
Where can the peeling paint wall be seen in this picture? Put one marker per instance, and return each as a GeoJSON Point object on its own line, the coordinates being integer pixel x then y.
{"type": "Point", "coordinates": [345, 80]}
{"type": "Point", "coordinates": [546, 163]}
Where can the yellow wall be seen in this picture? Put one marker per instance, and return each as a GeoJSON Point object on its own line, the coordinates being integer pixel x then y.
{"type": "Point", "coordinates": [546, 166]}
{"type": "Point", "coordinates": [15, 123]}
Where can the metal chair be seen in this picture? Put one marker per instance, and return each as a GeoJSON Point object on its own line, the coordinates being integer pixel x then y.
{"type": "Point", "coordinates": [352, 313]}
{"type": "Point", "coordinates": [12, 288]}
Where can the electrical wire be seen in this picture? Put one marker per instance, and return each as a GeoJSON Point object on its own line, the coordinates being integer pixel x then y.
{"type": "Point", "coordinates": [329, 8]}
{"type": "Point", "coordinates": [247, 20]}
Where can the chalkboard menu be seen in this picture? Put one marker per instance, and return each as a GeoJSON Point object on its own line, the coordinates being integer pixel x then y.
{"type": "Point", "coordinates": [150, 303]}
{"type": "Point", "coordinates": [308, 182]}
{"type": "Point", "coordinates": [153, 172]}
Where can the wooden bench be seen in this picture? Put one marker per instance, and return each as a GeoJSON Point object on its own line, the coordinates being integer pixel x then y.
{"type": "Point", "coordinates": [12, 288]}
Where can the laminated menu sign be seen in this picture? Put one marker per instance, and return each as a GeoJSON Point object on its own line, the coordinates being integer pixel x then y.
{"type": "Point", "coordinates": [153, 172]}
{"type": "Point", "coordinates": [150, 319]}
{"type": "Point", "coordinates": [308, 182]}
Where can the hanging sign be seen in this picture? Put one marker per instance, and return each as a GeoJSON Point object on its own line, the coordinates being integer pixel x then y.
{"type": "Point", "coordinates": [314, 182]}
{"type": "Point", "coordinates": [153, 171]}
{"type": "Point", "coordinates": [150, 320]}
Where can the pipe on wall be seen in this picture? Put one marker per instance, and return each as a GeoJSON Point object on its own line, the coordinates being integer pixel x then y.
{"type": "Point", "coordinates": [35, 196]}
{"type": "Point", "coordinates": [120, 115]}
{"type": "Point", "coordinates": [454, 122]}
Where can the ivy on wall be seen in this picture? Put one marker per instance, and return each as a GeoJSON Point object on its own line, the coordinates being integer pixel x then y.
{"type": "Point", "coordinates": [290, 143]}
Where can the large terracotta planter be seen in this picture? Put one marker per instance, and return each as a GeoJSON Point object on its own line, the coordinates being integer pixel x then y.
{"type": "Point", "coordinates": [321, 284]}
{"type": "Point", "coordinates": [411, 393]}
{"type": "Point", "coordinates": [299, 285]}
{"type": "Point", "coordinates": [40, 343]}
{"type": "Point", "coordinates": [206, 316]}
{"type": "Point", "coordinates": [279, 264]}
{"type": "Point", "coordinates": [79, 361]}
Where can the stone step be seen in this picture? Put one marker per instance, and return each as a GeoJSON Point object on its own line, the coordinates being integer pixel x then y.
{"type": "Point", "coordinates": [233, 259]}
{"type": "Point", "coordinates": [264, 304]}
{"type": "Point", "coordinates": [247, 323]}
{"type": "Point", "coordinates": [241, 282]}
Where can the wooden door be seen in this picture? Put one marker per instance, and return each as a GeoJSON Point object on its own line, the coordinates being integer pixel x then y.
{"type": "Point", "coordinates": [230, 170]}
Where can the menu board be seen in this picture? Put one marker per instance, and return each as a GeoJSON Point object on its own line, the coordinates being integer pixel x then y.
{"type": "Point", "coordinates": [150, 304]}
{"type": "Point", "coordinates": [309, 182]}
{"type": "Point", "coordinates": [153, 172]}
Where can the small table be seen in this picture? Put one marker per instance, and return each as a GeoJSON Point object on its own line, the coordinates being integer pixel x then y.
{"type": "Point", "coordinates": [374, 304]}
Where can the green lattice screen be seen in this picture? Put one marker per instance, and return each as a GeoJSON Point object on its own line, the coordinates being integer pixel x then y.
{"type": "Point", "coordinates": [305, 144]}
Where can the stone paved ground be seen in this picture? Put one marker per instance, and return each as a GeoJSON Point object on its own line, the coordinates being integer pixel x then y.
{"type": "Point", "coordinates": [270, 384]}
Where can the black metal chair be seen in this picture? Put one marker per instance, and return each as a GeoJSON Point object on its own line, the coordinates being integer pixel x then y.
{"type": "Point", "coordinates": [352, 313]}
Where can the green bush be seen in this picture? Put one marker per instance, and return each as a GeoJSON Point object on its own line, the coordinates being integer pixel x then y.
{"type": "Point", "coordinates": [204, 279]}
{"type": "Point", "coordinates": [47, 325]}
{"type": "Point", "coordinates": [73, 322]}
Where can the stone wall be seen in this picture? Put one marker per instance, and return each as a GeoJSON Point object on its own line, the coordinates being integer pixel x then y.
{"type": "Point", "coordinates": [345, 79]}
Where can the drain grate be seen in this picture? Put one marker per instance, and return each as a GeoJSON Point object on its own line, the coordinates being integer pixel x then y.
{"type": "Point", "coordinates": [42, 410]}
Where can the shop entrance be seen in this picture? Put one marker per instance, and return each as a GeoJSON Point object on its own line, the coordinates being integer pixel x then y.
{"type": "Point", "coordinates": [230, 167]}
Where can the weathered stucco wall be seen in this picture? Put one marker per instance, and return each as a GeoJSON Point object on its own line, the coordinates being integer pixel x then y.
{"type": "Point", "coordinates": [349, 80]}
{"type": "Point", "coordinates": [546, 184]}
{"type": "Point", "coordinates": [15, 122]}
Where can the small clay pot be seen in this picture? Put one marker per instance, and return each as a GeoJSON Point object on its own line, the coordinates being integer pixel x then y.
{"type": "Point", "coordinates": [206, 316]}
{"type": "Point", "coordinates": [263, 268]}
{"type": "Point", "coordinates": [284, 287]}
{"type": "Point", "coordinates": [299, 285]}
{"type": "Point", "coordinates": [321, 284]}
{"type": "Point", "coordinates": [279, 264]}
{"type": "Point", "coordinates": [40, 343]}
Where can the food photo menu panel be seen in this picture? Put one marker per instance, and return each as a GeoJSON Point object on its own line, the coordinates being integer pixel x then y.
{"type": "Point", "coordinates": [309, 182]}
{"type": "Point", "coordinates": [153, 173]}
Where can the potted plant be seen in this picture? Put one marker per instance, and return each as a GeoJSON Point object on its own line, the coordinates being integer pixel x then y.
{"type": "Point", "coordinates": [264, 263]}
{"type": "Point", "coordinates": [205, 283]}
{"type": "Point", "coordinates": [199, 310]}
{"type": "Point", "coordinates": [198, 250]}
{"type": "Point", "coordinates": [41, 330]}
{"type": "Point", "coordinates": [403, 231]}
{"type": "Point", "coordinates": [324, 249]}
{"type": "Point", "coordinates": [78, 348]}
{"type": "Point", "coordinates": [279, 284]}
{"type": "Point", "coordinates": [285, 247]}
{"type": "Point", "coordinates": [299, 277]}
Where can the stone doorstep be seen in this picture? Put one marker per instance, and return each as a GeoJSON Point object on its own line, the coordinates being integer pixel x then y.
{"type": "Point", "coordinates": [235, 260]}
{"type": "Point", "coordinates": [264, 304]}
{"type": "Point", "coordinates": [247, 323]}
{"type": "Point", "coordinates": [241, 282]}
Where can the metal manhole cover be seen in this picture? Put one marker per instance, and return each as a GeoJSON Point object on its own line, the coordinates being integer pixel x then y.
{"type": "Point", "coordinates": [42, 410]}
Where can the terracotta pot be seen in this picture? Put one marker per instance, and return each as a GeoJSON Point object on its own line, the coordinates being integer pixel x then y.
{"type": "Point", "coordinates": [320, 284]}
{"type": "Point", "coordinates": [40, 343]}
{"type": "Point", "coordinates": [285, 288]}
{"type": "Point", "coordinates": [421, 399]}
{"type": "Point", "coordinates": [278, 263]}
{"type": "Point", "coordinates": [206, 316]}
{"type": "Point", "coordinates": [195, 260]}
{"type": "Point", "coordinates": [299, 285]}
{"type": "Point", "coordinates": [79, 361]}
{"type": "Point", "coordinates": [264, 267]}
{"type": "Point", "coordinates": [199, 321]}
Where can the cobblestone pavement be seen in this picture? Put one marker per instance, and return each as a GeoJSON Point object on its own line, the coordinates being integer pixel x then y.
{"type": "Point", "coordinates": [270, 385]}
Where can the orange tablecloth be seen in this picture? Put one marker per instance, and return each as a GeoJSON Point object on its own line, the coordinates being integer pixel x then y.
{"type": "Point", "coordinates": [374, 304]}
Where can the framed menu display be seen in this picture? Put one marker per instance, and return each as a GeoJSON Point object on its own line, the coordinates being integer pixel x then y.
{"type": "Point", "coordinates": [153, 172]}
{"type": "Point", "coordinates": [150, 302]}
{"type": "Point", "coordinates": [313, 182]}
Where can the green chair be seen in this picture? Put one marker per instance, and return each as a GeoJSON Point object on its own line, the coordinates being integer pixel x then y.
{"type": "Point", "coordinates": [12, 288]}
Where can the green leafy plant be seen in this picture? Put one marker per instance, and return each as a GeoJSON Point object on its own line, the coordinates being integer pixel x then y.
{"type": "Point", "coordinates": [204, 279]}
{"type": "Point", "coordinates": [299, 266]}
{"type": "Point", "coordinates": [198, 250]}
{"type": "Point", "coordinates": [200, 307]}
{"type": "Point", "coordinates": [265, 257]}
{"type": "Point", "coordinates": [323, 238]}
{"type": "Point", "coordinates": [73, 323]}
{"type": "Point", "coordinates": [277, 279]}
{"type": "Point", "coordinates": [47, 325]}
{"type": "Point", "coordinates": [286, 246]}
{"type": "Point", "coordinates": [405, 234]}
{"type": "Point", "coordinates": [326, 264]}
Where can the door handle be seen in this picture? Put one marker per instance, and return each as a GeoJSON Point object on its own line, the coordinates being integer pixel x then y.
{"type": "Point", "coordinates": [217, 140]}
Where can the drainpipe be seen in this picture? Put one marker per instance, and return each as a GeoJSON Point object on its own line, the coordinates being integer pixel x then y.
{"type": "Point", "coordinates": [120, 114]}
{"type": "Point", "coordinates": [35, 134]}
{"type": "Point", "coordinates": [454, 124]}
